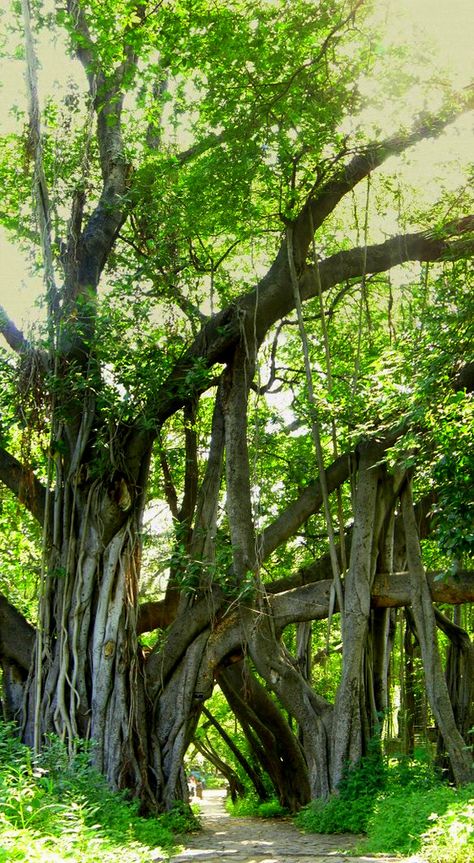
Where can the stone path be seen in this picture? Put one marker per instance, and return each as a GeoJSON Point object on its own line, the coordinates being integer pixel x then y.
{"type": "Point", "coordinates": [256, 840]}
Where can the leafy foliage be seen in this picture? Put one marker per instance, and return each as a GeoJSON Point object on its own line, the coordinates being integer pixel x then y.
{"type": "Point", "coordinates": [251, 807]}
{"type": "Point", "coordinates": [403, 807]}
{"type": "Point", "coordinates": [57, 808]}
{"type": "Point", "coordinates": [437, 823]}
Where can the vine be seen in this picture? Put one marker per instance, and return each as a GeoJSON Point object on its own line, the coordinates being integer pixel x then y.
{"type": "Point", "coordinates": [315, 425]}
{"type": "Point", "coordinates": [44, 224]}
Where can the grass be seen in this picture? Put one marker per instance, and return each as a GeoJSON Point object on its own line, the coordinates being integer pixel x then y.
{"type": "Point", "coordinates": [403, 808]}
{"type": "Point", "coordinates": [438, 824]}
{"type": "Point", "coordinates": [57, 810]}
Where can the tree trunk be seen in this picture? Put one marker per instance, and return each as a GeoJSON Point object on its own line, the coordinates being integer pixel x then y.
{"type": "Point", "coordinates": [269, 735]}
{"type": "Point", "coordinates": [349, 717]}
{"type": "Point", "coordinates": [408, 706]}
{"type": "Point", "coordinates": [88, 676]}
{"type": "Point", "coordinates": [424, 616]}
{"type": "Point", "coordinates": [459, 675]}
{"type": "Point", "coordinates": [313, 713]}
{"type": "Point", "coordinates": [176, 714]}
{"type": "Point", "coordinates": [460, 683]}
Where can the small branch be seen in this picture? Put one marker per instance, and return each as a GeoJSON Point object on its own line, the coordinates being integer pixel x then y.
{"type": "Point", "coordinates": [169, 487]}
{"type": "Point", "coordinates": [201, 147]}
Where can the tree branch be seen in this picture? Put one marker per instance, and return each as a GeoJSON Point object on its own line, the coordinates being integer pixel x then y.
{"type": "Point", "coordinates": [381, 257]}
{"type": "Point", "coordinates": [107, 94]}
{"type": "Point", "coordinates": [17, 636]}
{"type": "Point", "coordinates": [24, 484]}
{"type": "Point", "coordinates": [13, 336]}
{"type": "Point", "coordinates": [272, 299]}
{"type": "Point", "coordinates": [311, 601]}
{"type": "Point", "coordinates": [322, 202]}
{"type": "Point", "coordinates": [309, 501]}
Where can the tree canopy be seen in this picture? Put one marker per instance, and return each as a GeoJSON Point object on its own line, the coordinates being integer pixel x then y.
{"type": "Point", "coordinates": [258, 324]}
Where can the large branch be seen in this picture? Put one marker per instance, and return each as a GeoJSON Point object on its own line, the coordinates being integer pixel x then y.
{"type": "Point", "coordinates": [17, 636]}
{"type": "Point", "coordinates": [272, 299]}
{"type": "Point", "coordinates": [320, 569]}
{"type": "Point", "coordinates": [423, 246]}
{"type": "Point", "coordinates": [12, 335]}
{"type": "Point", "coordinates": [311, 601]}
{"type": "Point", "coordinates": [24, 484]}
{"type": "Point", "coordinates": [325, 199]}
{"type": "Point", "coordinates": [307, 503]}
{"type": "Point", "coordinates": [16, 340]}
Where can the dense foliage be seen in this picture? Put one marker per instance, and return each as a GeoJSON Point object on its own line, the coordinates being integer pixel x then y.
{"type": "Point", "coordinates": [403, 807]}
{"type": "Point", "coordinates": [55, 808]}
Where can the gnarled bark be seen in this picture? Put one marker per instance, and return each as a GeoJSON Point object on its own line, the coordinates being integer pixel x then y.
{"type": "Point", "coordinates": [269, 735]}
{"type": "Point", "coordinates": [425, 622]}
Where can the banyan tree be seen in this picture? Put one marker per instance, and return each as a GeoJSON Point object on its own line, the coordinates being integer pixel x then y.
{"type": "Point", "coordinates": [231, 329]}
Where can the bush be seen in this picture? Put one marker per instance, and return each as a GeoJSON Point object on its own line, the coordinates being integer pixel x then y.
{"type": "Point", "coordinates": [450, 839]}
{"type": "Point", "coordinates": [334, 815]}
{"type": "Point", "coordinates": [417, 772]}
{"type": "Point", "coordinates": [251, 807]}
{"type": "Point", "coordinates": [349, 810]}
{"type": "Point", "coordinates": [55, 809]}
{"type": "Point", "coordinates": [437, 822]}
{"type": "Point", "coordinates": [403, 807]}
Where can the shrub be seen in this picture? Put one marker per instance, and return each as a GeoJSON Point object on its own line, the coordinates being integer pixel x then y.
{"type": "Point", "coordinates": [437, 822]}
{"type": "Point", "coordinates": [348, 811]}
{"type": "Point", "coordinates": [450, 839]}
{"type": "Point", "coordinates": [56, 808]}
{"type": "Point", "coordinates": [251, 807]}
{"type": "Point", "coordinates": [334, 815]}
{"type": "Point", "coordinates": [411, 811]}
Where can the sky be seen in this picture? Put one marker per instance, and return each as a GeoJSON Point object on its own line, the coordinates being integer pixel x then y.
{"type": "Point", "coordinates": [448, 25]}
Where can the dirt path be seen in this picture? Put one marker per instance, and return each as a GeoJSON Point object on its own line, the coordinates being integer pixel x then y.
{"type": "Point", "coordinates": [255, 840]}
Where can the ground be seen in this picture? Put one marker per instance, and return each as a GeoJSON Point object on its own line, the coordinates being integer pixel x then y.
{"type": "Point", "coordinates": [256, 840]}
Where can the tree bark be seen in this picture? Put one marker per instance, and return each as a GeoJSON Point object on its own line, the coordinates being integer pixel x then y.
{"type": "Point", "coordinates": [313, 713]}
{"type": "Point", "coordinates": [277, 748]}
{"type": "Point", "coordinates": [459, 675]}
{"type": "Point", "coordinates": [423, 613]}
{"type": "Point", "coordinates": [349, 723]}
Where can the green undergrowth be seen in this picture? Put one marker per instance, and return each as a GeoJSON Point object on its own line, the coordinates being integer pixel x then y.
{"type": "Point", "coordinates": [438, 824]}
{"type": "Point", "coordinates": [251, 807]}
{"type": "Point", "coordinates": [403, 807]}
{"type": "Point", "coordinates": [57, 809]}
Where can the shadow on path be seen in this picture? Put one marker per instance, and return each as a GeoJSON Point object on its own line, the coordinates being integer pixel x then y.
{"type": "Point", "coordinates": [257, 840]}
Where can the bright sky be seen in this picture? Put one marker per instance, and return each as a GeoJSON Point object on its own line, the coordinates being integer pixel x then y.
{"type": "Point", "coordinates": [447, 24]}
